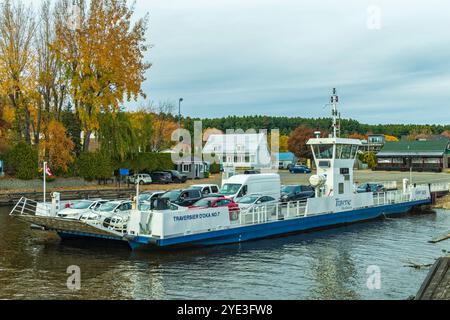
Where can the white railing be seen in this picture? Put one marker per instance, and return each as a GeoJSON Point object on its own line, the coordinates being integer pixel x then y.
{"type": "Point", "coordinates": [31, 208]}
{"type": "Point", "coordinates": [391, 197]}
{"type": "Point", "coordinates": [389, 185]}
{"type": "Point", "coordinates": [440, 187]}
{"type": "Point", "coordinates": [272, 212]}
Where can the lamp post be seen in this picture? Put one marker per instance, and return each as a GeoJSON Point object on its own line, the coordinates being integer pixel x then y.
{"type": "Point", "coordinates": [179, 112]}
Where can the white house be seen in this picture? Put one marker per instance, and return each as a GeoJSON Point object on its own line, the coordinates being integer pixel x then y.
{"type": "Point", "coordinates": [239, 150]}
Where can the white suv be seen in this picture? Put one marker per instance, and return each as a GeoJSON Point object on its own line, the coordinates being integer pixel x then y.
{"type": "Point", "coordinates": [141, 179]}
{"type": "Point", "coordinates": [206, 189]}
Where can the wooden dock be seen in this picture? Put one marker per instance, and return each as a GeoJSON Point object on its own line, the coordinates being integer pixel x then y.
{"type": "Point", "coordinates": [10, 199]}
{"type": "Point", "coordinates": [437, 284]}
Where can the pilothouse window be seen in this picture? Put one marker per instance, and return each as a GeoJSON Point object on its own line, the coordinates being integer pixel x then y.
{"type": "Point", "coordinates": [346, 151]}
{"type": "Point", "coordinates": [323, 151]}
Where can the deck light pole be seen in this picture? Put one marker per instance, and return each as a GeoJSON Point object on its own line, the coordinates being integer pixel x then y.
{"type": "Point", "coordinates": [179, 112]}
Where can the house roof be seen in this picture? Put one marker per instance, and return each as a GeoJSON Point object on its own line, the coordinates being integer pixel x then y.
{"type": "Point", "coordinates": [416, 148]}
{"type": "Point", "coordinates": [286, 156]}
{"type": "Point", "coordinates": [235, 143]}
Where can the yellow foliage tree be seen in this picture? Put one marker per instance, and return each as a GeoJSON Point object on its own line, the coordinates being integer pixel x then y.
{"type": "Point", "coordinates": [103, 55]}
{"type": "Point", "coordinates": [389, 138]}
{"type": "Point", "coordinates": [17, 74]}
{"type": "Point", "coordinates": [284, 144]}
{"type": "Point", "coordinates": [58, 146]}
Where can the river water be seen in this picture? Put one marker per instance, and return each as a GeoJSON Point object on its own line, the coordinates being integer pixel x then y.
{"type": "Point", "coordinates": [330, 264]}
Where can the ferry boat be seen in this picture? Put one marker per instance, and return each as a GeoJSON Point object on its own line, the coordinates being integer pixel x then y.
{"type": "Point", "coordinates": [336, 203]}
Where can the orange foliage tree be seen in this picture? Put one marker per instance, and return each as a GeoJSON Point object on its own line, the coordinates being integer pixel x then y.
{"type": "Point", "coordinates": [57, 146]}
{"type": "Point", "coordinates": [446, 134]}
{"type": "Point", "coordinates": [297, 142]}
{"type": "Point", "coordinates": [357, 136]}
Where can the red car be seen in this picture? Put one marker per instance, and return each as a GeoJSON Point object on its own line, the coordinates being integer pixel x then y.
{"type": "Point", "coordinates": [206, 203]}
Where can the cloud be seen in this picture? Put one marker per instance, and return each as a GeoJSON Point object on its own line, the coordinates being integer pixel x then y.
{"type": "Point", "coordinates": [282, 57]}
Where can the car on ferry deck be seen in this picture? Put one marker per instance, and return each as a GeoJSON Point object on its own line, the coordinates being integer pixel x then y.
{"type": "Point", "coordinates": [256, 200]}
{"type": "Point", "coordinates": [106, 211]}
{"type": "Point", "coordinates": [206, 189]}
{"type": "Point", "coordinates": [75, 209]}
{"type": "Point", "coordinates": [206, 203]}
{"type": "Point", "coordinates": [370, 187]}
{"type": "Point", "coordinates": [215, 203]}
{"type": "Point", "coordinates": [184, 198]}
{"type": "Point", "coordinates": [297, 193]}
{"type": "Point", "coordinates": [239, 186]}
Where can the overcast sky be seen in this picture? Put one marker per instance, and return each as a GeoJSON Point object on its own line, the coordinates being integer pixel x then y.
{"type": "Point", "coordinates": [282, 57]}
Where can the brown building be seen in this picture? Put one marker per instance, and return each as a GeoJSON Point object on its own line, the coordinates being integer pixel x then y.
{"type": "Point", "coordinates": [416, 155]}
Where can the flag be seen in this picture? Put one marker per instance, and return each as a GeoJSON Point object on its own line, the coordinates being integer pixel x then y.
{"type": "Point", "coordinates": [48, 172]}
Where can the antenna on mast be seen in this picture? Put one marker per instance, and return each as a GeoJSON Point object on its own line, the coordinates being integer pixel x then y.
{"type": "Point", "coordinates": [335, 114]}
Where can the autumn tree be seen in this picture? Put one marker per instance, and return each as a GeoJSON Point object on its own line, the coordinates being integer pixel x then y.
{"type": "Point", "coordinates": [390, 138]}
{"type": "Point", "coordinates": [297, 142]}
{"type": "Point", "coordinates": [357, 136]}
{"type": "Point", "coordinates": [51, 83]}
{"type": "Point", "coordinates": [163, 127]}
{"type": "Point", "coordinates": [17, 28]}
{"type": "Point", "coordinates": [58, 146]}
{"type": "Point", "coordinates": [142, 124]}
{"type": "Point", "coordinates": [446, 134]}
{"type": "Point", "coordinates": [210, 131]}
{"type": "Point", "coordinates": [103, 55]}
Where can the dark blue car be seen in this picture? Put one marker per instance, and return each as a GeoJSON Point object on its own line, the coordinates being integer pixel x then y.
{"type": "Point", "coordinates": [300, 169]}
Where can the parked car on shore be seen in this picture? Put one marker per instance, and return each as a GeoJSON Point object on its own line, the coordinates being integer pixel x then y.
{"type": "Point", "coordinates": [296, 193]}
{"type": "Point", "coordinates": [75, 209]}
{"type": "Point", "coordinates": [142, 179]}
{"type": "Point", "coordinates": [205, 189]}
{"type": "Point", "coordinates": [300, 169]}
{"type": "Point", "coordinates": [370, 187]}
{"type": "Point", "coordinates": [252, 172]}
{"type": "Point", "coordinates": [176, 176]}
{"type": "Point", "coordinates": [184, 198]}
{"type": "Point", "coordinates": [161, 177]}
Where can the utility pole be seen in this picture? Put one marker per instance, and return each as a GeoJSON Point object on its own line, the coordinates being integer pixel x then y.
{"type": "Point", "coordinates": [179, 112]}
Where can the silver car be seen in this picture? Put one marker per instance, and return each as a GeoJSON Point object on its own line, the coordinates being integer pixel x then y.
{"type": "Point", "coordinates": [252, 201]}
{"type": "Point", "coordinates": [76, 209]}
{"type": "Point", "coordinates": [106, 210]}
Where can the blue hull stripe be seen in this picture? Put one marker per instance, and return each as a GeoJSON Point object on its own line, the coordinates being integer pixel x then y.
{"type": "Point", "coordinates": [252, 232]}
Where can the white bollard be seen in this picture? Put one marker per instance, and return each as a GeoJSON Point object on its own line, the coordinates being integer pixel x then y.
{"type": "Point", "coordinates": [405, 185]}
{"type": "Point", "coordinates": [56, 204]}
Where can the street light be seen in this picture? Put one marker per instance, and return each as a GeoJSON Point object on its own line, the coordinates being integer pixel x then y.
{"type": "Point", "coordinates": [179, 112]}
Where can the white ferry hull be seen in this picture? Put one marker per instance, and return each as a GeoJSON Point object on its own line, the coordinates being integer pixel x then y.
{"type": "Point", "coordinates": [275, 228]}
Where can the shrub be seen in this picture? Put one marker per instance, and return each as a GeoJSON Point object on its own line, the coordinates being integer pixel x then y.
{"type": "Point", "coordinates": [22, 161]}
{"type": "Point", "coordinates": [214, 168]}
{"type": "Point", "coordinates": [369, 158]}
{"type": "Point", "coordinates": [94, 166]}
{"type": "Point", "coordinates": [148, 162]}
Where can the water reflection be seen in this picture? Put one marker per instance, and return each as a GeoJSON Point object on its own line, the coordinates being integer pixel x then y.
{"type": "Point", "coordinates": [324, 265]}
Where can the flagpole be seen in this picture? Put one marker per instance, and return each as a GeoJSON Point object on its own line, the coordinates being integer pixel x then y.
{"type": "Point", "coordinates": [45, 177]}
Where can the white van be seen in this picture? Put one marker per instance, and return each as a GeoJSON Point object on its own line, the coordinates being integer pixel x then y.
{"type": "Point", "coordinates": [239, 186]}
